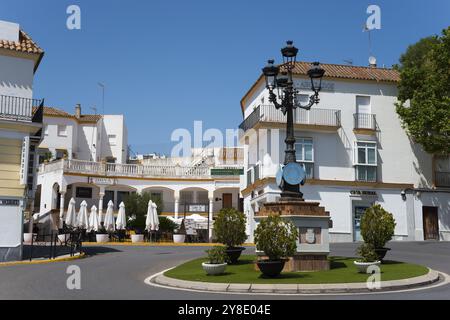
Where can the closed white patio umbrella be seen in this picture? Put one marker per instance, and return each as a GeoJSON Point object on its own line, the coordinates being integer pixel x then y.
{"type": "Point", "coordinates": [71, 217]}
{"type": "Point", "coordinates": [149, 221]}
{"type": "Point", "coordinates": [93, 220]}
{"type": "Point", "coordinates": [121, 222]}
{"type": "Point", "coordinates": [155, 217]}
{"type": "Point", "coordinates": [109, 218]}
{"type": "Point", "coordinates": [83, 218]}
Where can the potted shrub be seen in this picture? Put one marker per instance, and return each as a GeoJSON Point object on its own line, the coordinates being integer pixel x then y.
{"type": "Point", "coordinates": [377, 228]}
{"type": "Point", "coordinates": [216, 261]}
{"type": "Point", "coordinates": [368, 257]}
{"type": "Point", "coordinates": [277, 238]}
{"type": "Point", "coordinates": [101, 235]}
{"type": "Point", "coordinates": [64, 234]}
{"type": "Point", "coordinates": [179, 235]}
{"type": "Point", "coordinates": [229, 229]}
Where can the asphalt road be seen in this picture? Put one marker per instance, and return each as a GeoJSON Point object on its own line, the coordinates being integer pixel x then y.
{"type": "Point", "coordinates": [119, 273]}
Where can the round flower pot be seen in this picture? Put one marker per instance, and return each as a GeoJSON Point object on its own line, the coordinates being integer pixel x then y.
{"type": "Point", "coordinates": [364, 266]}
{"type": "Point", "coordinates": [381, 253]}
{"type": "Point", "coordinates": [27, 237]}
{"type": "Point", "coordinates": [63, 238]}
{"type": "Point", "coordinates": [270, 268]}
{"type": "Point", "coordinates": [179, 238]}
{"type": "Point", "coordinates": [214, 269]}
{"type": "Point", "coordinates": [102, 238]}
{"type": "Point", "coordinates": [135, 238]}
{"type": "Point", "coordinates": [234, 254]}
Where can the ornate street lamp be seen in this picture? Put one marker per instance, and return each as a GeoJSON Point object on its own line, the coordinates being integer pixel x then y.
{"type": "Point", "coordinates": [280, 80]}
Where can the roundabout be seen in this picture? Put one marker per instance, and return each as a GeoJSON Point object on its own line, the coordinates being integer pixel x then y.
{"type": "Point", "coordinates": [343, 278]}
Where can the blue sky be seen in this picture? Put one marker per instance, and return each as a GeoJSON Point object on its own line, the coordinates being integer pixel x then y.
{"type": "Point", "coordinates": [168, 63]}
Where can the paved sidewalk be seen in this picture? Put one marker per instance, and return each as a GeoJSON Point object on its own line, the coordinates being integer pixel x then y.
{"type": "Point", "coordinates": [422, 281]}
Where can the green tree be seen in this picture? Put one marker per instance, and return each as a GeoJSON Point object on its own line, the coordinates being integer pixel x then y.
{"type": "Point", "coordinates": [377, 226]}
{"type": "Point", "coordinates": [229, 227]}
{"type": "Point", "coordinates": [276, 237]}
{"type": "Point", "coordinates": [425, 85]}
{"type": "Point", "coordinates": [136, 206]}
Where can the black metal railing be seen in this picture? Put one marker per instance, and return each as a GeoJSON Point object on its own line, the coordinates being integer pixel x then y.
{"type": "Point", "coordinates": [365, 121]}
{"type": "Point", "coordinates": [314, 117]}
{"type": "Point", "coordinates": [18, 108]}
{"type": "Point", "coordinates": [442, 179]}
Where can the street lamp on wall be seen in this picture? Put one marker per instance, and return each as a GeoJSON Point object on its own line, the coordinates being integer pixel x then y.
{"type": "Point", "coordinates": [285, 97]}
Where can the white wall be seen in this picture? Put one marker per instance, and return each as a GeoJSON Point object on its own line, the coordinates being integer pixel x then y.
{"type": "Point", "coordinates": [16, 77]}
{"type": "Point", "coordinates": [399, 161]}
{"type": "Point", "coordinates": [114, 125]}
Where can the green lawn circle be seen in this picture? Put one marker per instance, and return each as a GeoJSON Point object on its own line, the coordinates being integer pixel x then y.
{"type": "Point", "coordinates": [342, 271]}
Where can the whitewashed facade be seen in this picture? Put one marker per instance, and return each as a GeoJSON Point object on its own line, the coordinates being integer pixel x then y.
{"type": "Point", "coordinates": [205, 182]}
{"type": "Point", "coordinates": [355, 153]}
{"type": "Point", "coordinates": [20, 132]}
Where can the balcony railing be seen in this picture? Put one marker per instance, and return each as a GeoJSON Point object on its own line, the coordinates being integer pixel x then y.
{"type": "Point", "coordinates": [20, 109]}
{"type": "Point", "coordinates": [365, 121]}
{"type": "Point", "coordinates": [442, 179]}
{"type": "Point", "coordinates": [315, 117]}
{"type": "Point", "coordinates": [129, 170]}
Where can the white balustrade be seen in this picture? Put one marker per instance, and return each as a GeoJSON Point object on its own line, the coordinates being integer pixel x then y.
{"type": "Point", "coordinates": [126, 170]}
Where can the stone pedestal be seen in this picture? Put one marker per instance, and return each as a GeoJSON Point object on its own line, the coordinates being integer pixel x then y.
{"type": "Point", "coordinates": [312, 222]}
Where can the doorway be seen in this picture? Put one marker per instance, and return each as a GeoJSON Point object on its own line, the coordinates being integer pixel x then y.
{"type": "Point", "coordinates": [358, 213]}
{"type": "Point", "coordinates": [430, 223]}
{"type": "Point", "coordinates": [227, 200]}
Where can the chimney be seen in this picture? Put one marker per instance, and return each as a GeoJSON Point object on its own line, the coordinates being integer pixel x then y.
{"type": "Point", "coordinates": [78, 111]}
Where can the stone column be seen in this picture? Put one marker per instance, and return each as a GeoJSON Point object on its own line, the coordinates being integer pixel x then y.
{"type": "Point", "coordinates": [61, 208]}
{"type": "Point", "coordinates": [177, 203]}
{"type": "Point", "coordinates": [100, 203]}
{"type": "Point", "coordinates": [211, 211]}
{"type": "Point", "coordinates": [195, 196]}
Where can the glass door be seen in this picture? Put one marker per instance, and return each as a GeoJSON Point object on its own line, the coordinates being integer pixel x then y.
{"type": "Point", "coordinates": [359, 212]}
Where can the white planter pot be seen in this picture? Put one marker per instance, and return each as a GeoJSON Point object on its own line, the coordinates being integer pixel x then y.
{"type": "Point", "coordinates": [214, 269]}
{"type": "Point", "coordinates": [27, 237]}
{"type": "Point", "coordinates": [364, 266]}
{"type": "Point", "coordinates": [179, 238]}
{"type": "Point", "coordinates": [135, 238]}
{"type": "Point", "coordinates": [102, 238]}
{"type": "Point", "coordinates": [63, 238]}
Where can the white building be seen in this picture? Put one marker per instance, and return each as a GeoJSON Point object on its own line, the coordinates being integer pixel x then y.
{"type": "Point", "coordinates": [20, 133]}
{"type": "Point", "coordinates": [355, 153]}
{"type": "Point", "coordinates": [84, 136]}
{"type": "Point", "coordinates": [203, 183]}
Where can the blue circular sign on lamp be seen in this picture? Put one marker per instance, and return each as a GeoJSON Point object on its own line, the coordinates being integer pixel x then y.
{"type": "Point", "coordinates": [293, 173]}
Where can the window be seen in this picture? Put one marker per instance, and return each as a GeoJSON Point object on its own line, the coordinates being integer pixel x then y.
{"type": "Point", "coordinates": [156, 196]}
{"type": "Point", "coordinates": [366, 161]}
{"type": "Point", "coordinates": [46, 130]}
{"type": "Point", "coordinates": [112, 139]}
{"type": "Point", "coordinates": [304, 152]}
{"type": "Point", "coordinates": [363, 104]}
{"type": "Point", "coordinates": [84, 193]}
{"type": "Point", "coordinates": [62, 130]}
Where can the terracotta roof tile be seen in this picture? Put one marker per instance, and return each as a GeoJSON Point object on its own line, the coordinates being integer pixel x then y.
{"type": "Point", "coordinates": [351, 72]}
{"type": "Point", "coordinates": [54, 112]}
{"type": "Point", "coordinates": [25, 44]}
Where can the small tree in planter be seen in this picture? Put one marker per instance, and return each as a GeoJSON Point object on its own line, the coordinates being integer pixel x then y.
{"type": "Point", "coordinates": [137, 206]}
{"type": "Point", "coordinates": [277, 238]}
{"type": "Point", "coordinates": [368, 258]}
{"type": "Point", "coordinates": [102, 235]}
{"type": "Point", "coordinates": [229, 229]}
{"type": "Point", "coordinates": [216, 261]}
{"type": "Point", "coordinates": [179, 234]}
{"type": "Point", "coordinates": [377, 228]}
